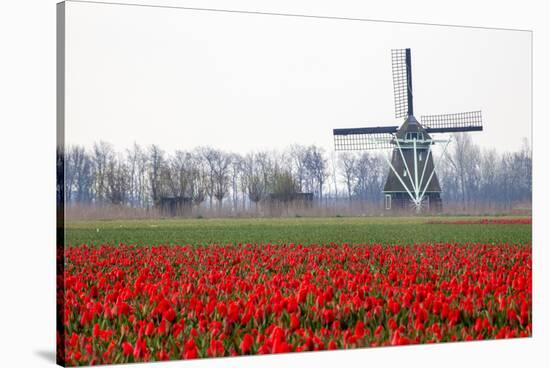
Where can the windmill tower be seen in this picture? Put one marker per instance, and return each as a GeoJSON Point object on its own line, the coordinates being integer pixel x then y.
{"type": "Point", "coordinates": [412, 181]}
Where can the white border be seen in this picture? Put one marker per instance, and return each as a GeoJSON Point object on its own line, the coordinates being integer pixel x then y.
{"type": "Point", "coordinates": [27, 182]}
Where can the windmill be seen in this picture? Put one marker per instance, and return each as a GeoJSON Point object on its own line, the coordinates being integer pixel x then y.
{"type": "Point", "coordinates": [412, 181]}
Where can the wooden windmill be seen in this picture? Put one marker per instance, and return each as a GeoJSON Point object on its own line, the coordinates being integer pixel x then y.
{"type": "Point", "coordinates": [412, 180]}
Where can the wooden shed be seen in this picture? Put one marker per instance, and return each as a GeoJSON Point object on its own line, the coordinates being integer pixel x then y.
{"type": "Point", "coordinates": [175, 206]}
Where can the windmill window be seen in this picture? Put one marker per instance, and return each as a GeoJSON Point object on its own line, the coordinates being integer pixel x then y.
{"type": "Point", "coordinates": [388, 201]}
{"type": "Point", "coordinates": [404, 173]}
{"type": "Point", "coordinates": [411, 136]}
{"type": "Point", "coordinates": [420, 156]}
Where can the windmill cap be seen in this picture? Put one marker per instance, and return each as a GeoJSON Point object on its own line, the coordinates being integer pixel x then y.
{"type": "Point", "coordinates": [411, 125]}
{"type": "Point", "coordinates": [411, 120]}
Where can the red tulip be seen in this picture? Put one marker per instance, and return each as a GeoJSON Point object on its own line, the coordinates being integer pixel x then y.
{"type": "Point", "coordinates": [360, 330]}
{"type": "Point", "coordinates": [127, 348]}
{"type": "Point", "coordinates": [247, 342]}
{"type": "Point", "coordinates": [294, 322]}
{"type": "Point", "coordinates": [150, 329]}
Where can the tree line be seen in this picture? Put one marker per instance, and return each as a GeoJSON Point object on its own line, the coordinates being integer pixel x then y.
{"type": "Point", "coordinates": [471, 177]}
{"type": "Point", "coordinates": [214, 179]}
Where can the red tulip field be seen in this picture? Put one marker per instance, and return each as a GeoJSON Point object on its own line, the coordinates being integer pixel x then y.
{"type": "Point", "coordinates": [130, 302]}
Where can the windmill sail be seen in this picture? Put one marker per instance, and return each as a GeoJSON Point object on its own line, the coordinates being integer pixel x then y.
{"type": "Point", "coordinates": [358, 139]}
{"type": "Point", "coordinates": [450, 123]}
{"type": "Point", "coordinates": [402, 82]}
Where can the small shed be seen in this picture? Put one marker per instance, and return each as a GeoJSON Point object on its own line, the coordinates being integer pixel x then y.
{"type": "Point", "coordinates": [175, 206]}
{"type": "Point", "coordinates": [302, 198]}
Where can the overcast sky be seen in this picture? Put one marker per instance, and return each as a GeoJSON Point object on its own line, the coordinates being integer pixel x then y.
{"type": "Point", "coordinates": [241, 82]}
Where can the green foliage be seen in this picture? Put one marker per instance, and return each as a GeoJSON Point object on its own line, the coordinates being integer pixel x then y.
{"type": "Point", "coordinates": [284, 186]}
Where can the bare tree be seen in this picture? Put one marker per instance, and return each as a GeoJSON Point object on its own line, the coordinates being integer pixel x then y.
{"type": "Point", "coordinates": [378, 173]}
{"type": "Point", "coordinates": [264, 164]}
{"type": "Point", "coordinates": [102, 154]}
{"type": "Point", "coordinates": [85, 180]}
{"type": "Point", "coordinates": [488, 174]}
{"type": "Point", "coordinates": [156, 162]}
{"type": "Point", "coordinates": [236, 173]}
{"type": "Point", "coordinates": [117, 175]}
{"type": "Point", "coordinates": [132, 159]}
{"type": "Point", "coordinates": [298, 159]}
{"type": "Point", "coordinates": [209, 157]}
{"type": "Point", "coordinates": [332, 164]}
{"type": "Point", "coordinates": [448, 180]}
{"type": "Point", "coordinates": [70, 170]}
{"type": "Point", "coordinates": [316, 166]}
{"type": "Point", "coordinates": [464, 159]}
{"type": "Point", "coordinates": [181, 173]}
{"type": "Point", "coordinates": [137, 166]}
{"type": "Point", "coordinates": [526, 170]}
{"type": "Point", "coordinates": [347, 163]}
{"type": "Point", "coordinates": [218, 163]}
{"type": "Point", "coordinates": [253, 177]}
{"type": "Point", "coordinates": [361, 175]}
{"type": "Point", "coordinates": [78, 175]}
{"type": "Point", "coordinates": [198, 186]}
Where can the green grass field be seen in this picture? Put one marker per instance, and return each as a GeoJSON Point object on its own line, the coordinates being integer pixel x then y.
{"type": "Point", "coordinates": [403, 230]}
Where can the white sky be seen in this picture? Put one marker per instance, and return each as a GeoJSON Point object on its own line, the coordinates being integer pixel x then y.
{"type": "Point", "coordinates": [241, 82]}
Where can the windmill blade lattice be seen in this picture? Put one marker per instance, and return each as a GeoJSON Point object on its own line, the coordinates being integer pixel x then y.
{"type": "Point", "coordinates": [449, 123]}
{"type": "Point", "coordinates": [360, 139]}
{"type": "Point", "coordinates": [400, 82]}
